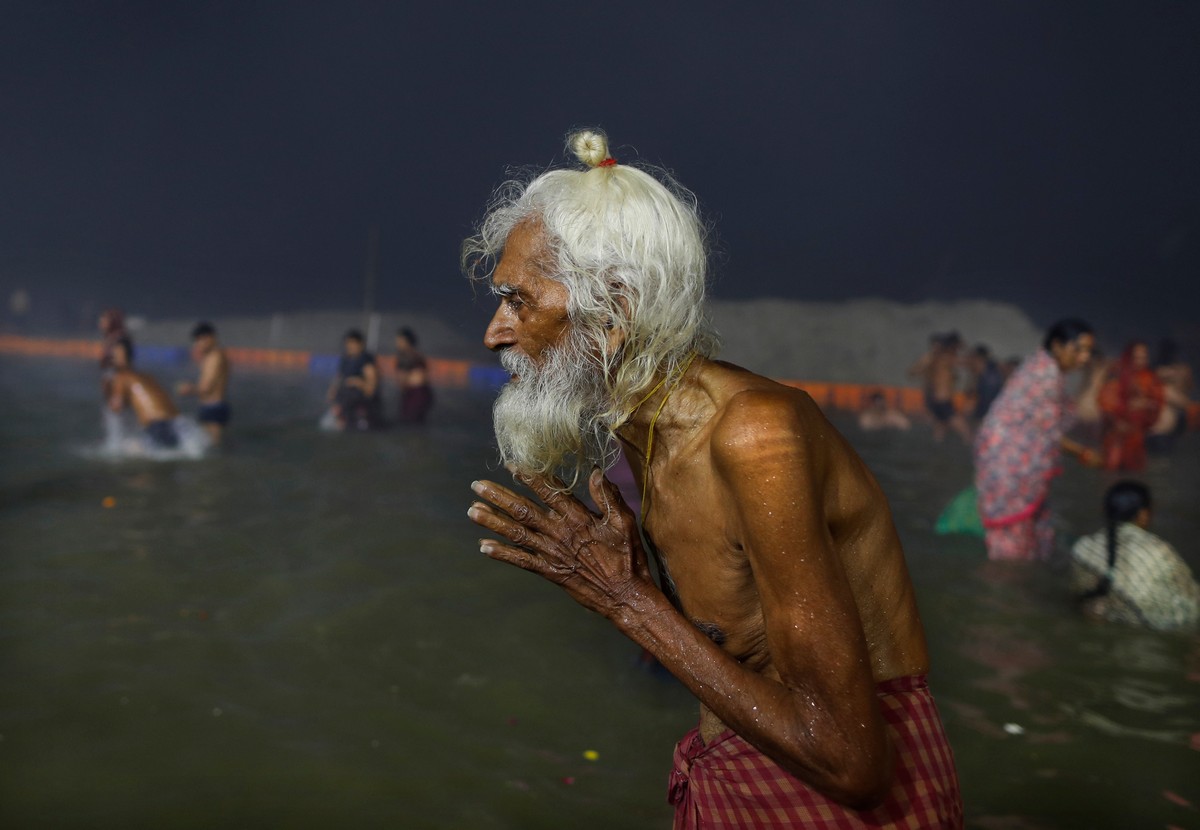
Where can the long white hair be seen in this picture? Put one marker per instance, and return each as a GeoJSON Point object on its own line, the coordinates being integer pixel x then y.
{"type": "Point", "coordinates": [630, 247]}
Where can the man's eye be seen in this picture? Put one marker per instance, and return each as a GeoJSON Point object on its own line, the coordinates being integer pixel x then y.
{"type": "Point", "coordinates": [514, 302]}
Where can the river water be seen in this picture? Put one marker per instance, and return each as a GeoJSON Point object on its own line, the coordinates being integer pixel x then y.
{"type": "Point", "coordinates": [299, 632]}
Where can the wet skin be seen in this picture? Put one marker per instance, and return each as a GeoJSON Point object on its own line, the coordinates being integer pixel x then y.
{"type": "Point", "coordinates": [787, 596]}
{"type": "Point", "coordinates": [210, 387]}
{"type": "Point", "coordinates": [213, 382]}
{"type": "Point", "coordinates": [141, 393]}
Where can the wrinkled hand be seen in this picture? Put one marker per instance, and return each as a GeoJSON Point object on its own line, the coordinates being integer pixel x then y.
{"type": "Point", "coordinates": [596, 557]}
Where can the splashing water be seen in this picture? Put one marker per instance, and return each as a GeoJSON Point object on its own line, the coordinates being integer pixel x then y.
{"type": "Point", "coordinates": [329, 422]}
{"type": "Point", "coordinates": [124, 439]}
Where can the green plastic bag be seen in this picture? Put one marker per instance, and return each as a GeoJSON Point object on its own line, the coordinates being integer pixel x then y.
{"type": "Point", "coordinates": [961, 515]}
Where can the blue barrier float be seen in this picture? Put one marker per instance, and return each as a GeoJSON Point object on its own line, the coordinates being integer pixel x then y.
{"type": "Point", "coordinates": [160, 355]}
{"type": "Point", "coordinates": [486, 377]}
{"type": "Point", "coordinates": [323, 365]}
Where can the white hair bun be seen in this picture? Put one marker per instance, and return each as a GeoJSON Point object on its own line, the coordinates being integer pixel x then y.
{"type": "Point", "coordinates": [589, 146]}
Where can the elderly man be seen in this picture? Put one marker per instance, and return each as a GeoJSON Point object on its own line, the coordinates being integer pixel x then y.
{"type": "Point", "coordinates": [785, 603]}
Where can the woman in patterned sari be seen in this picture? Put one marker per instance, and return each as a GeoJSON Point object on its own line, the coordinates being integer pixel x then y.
{"type": "Point", "coordinates": [1018, 446]}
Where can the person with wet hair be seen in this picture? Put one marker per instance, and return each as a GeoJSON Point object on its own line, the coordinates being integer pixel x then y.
{"type": "Point", "coordinates": [1019, 443]}
{"type": "Point", "coordinates": [783, 600]}
{"type": "Point", "coordinates": [1124, 573]}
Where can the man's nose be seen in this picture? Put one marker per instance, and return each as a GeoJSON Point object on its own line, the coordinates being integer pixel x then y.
{"type": "Point", "coordinates": [498, 333]}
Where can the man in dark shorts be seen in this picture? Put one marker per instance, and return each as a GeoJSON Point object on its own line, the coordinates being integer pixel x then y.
{"type": "Point", "coordinates": [938, 369]}
{"type": "Point", "coordinates": [213, 384]}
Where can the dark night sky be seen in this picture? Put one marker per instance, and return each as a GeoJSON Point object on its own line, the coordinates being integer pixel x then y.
{"type": "Point", "coordinates": [205, 158]}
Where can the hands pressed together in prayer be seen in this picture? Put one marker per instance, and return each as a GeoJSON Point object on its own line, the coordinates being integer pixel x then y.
{"type": "Point", "coordinates": [596, 557]}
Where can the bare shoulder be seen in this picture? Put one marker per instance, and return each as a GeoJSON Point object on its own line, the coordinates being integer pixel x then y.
{"type": "Point", "coordinates": [756, 414]}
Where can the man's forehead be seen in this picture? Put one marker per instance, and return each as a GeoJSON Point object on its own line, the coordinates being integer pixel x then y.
{"type": "Point", "coordinates": [526, 259]}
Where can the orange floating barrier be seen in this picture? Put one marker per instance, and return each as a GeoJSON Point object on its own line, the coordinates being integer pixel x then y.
{"type": "Point", "coordinates": [848, 396]}
{"type": "Point", "coordinates": [457, 373]}
{"type": "Point", "coordinates": [452, 373]}
{"type": "Point", "coordinates": [821, 393]}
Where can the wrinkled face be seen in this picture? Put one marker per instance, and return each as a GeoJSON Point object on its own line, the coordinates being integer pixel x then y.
{"type": "Point", "coordinates": [549, 415]}
{"type": "Point", "coordinates": [1074, 354]}
{"type": "Point", "coordinates": [532, 315]}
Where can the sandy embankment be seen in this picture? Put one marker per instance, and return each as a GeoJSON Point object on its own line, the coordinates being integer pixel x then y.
{"type": "Point", "coordinates": [860, 341]}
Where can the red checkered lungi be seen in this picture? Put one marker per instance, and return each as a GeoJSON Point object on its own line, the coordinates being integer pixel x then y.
{"type": "Point", "coordinates": [730, 784]}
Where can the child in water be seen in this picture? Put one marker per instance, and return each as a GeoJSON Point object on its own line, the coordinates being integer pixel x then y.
{"type": "Point", "coordinates": [1126, 574]}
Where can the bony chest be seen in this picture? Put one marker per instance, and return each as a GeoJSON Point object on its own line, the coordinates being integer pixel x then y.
{"type": "Point", "coordinates": [699, 565]}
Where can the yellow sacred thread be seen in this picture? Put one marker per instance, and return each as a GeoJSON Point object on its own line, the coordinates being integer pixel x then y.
{"type": "Point", "coordinates": [653, 421]}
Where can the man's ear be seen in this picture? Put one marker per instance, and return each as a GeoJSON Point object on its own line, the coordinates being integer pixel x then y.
{"type": "Point", "coordinates": [616, 334]}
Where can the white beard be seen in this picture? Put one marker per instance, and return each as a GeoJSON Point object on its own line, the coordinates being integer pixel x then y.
{"type": "Point", "coordinates": [548, 420]}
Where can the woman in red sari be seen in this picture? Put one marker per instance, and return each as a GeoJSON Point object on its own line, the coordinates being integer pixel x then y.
{"type": "Point", "coordinates": [1130, 402]}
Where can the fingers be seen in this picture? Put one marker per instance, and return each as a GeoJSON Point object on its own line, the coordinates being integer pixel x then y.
{"type": "Point", "coordinates": [518, 507]}
{"type": "Point", "coordinates": [606, 495]}
{"type": "Point", "coordinates": [512, 529]}
{"type": "Point", "coordinates": [555, 494]}
{"type": "Point", "coordinates": [523, 559]}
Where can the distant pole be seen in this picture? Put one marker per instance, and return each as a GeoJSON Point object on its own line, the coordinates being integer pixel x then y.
{"type": "Point", "coordinates": [373, 323]}
{"type": "Point", "coordinates": [372, 272]}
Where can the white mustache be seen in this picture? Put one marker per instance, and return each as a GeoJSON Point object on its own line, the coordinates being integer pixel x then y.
{"type": "Point", "coordinates": [516, 363]}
